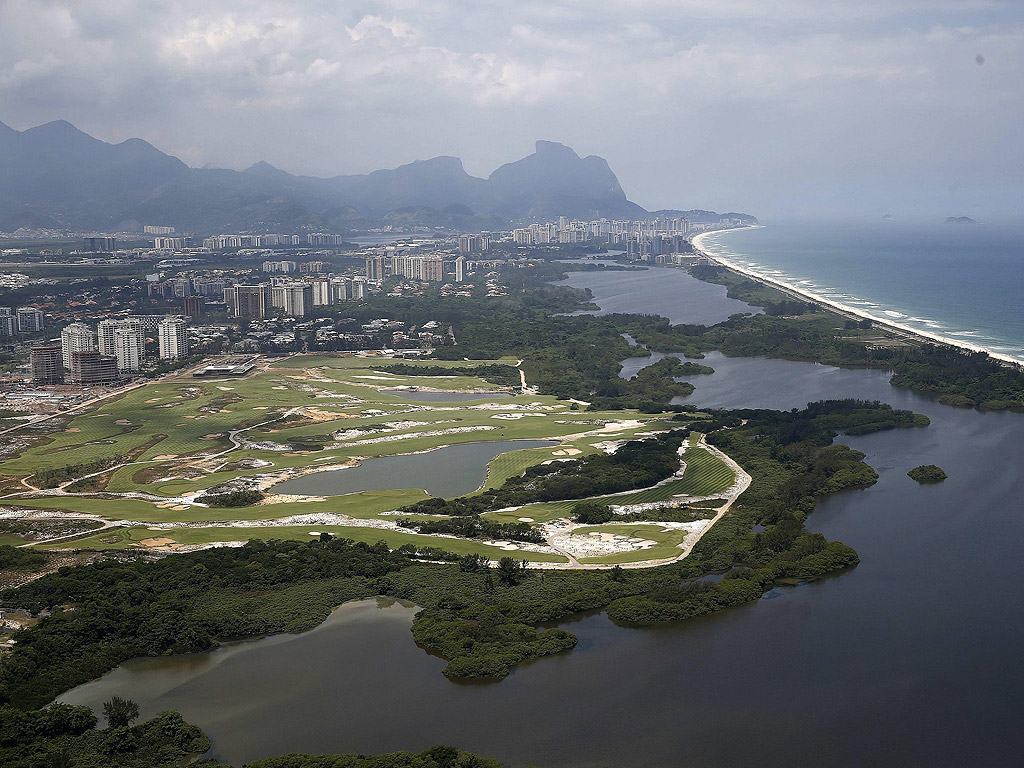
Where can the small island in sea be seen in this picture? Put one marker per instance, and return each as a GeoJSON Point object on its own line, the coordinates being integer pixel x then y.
{"type": "Point", "coordinates": [960, 220]}
{"type": "Point", "coordinates": [927, 473]}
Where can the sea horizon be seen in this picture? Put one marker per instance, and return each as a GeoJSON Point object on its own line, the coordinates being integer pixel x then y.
{"type": "Point", "coordinates": [950, 282]}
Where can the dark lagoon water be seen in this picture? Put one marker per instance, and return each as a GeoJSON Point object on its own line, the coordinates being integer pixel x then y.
{"type": "Point", "coordinates": [443, 397]}
{"type": "Point", "coordinates": [659, 291]}
{"type": "Point", "coordinates": [914, 658]}
{"type": "Point", "coordinates": [450, 471]}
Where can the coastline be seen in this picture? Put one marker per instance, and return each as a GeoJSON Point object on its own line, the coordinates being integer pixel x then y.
{"type": "Point", "coordinates": [899, 329]}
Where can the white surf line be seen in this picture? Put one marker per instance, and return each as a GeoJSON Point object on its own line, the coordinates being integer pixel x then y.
{"type": "Point", "coordinates": [799, 290]}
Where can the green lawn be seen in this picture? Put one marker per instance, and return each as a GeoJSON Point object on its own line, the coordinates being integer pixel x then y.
{"type": "Point", "coordinates": [184, 420]}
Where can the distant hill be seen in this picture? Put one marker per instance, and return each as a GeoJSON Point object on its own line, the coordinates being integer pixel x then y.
{"type": "Point", "coordinates": [555, 181]}
{"type": "Point", "coordinates": [960, 220]}
{"type": "Point", "coordinates": [56, 176]}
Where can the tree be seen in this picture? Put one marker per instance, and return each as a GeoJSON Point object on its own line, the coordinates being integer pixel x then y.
{"type": "Point", "coordinates": [591, 513]}
{"type": "Point", "coordinates": [617, 574]}
{"type": "Point", "coordinates": [511, 572]}
{"type": "Point", "coordinates": [473, 563]}
{"type": "Point", "coordinates": [120, 712]}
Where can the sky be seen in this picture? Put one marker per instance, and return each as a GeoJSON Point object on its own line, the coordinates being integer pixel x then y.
{"type": "Point", "coordinates": [780, 108]}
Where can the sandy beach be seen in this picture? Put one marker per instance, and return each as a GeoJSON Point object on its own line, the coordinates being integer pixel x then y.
{"type": "Point", "coordinates": [843, 309]}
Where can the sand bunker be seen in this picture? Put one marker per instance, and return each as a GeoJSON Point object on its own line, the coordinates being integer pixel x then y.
{"type": "Point", "coordinates": [158, 541]}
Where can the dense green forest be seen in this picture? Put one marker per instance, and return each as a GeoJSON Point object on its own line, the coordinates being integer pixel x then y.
{"type": "Point", "coordinates": [65, 736]}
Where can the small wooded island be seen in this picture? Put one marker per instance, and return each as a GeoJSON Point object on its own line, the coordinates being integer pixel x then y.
{"type": "Point", "coordinates": [927, 473]}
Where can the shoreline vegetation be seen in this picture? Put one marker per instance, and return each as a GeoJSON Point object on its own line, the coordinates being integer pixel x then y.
{"type": "Point", "coordinates": [927, 473]}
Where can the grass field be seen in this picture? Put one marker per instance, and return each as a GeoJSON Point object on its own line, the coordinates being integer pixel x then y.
{"type": "Point", "coordinates": [307, 410]}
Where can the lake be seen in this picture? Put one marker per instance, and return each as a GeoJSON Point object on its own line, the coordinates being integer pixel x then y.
{"type": "Point", "coordinates": [912, 659]}
{"type": "Point", "coordinates": [664, 291]}
{"type": "Point", "coordinates": [453, 470]}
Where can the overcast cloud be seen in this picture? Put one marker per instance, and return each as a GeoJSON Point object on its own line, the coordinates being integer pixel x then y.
{"type": "Point", "coordinates": [773, 108]}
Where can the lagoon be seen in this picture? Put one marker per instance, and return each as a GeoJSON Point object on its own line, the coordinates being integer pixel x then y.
{"type": "Point", "coordinates": [453, 470]}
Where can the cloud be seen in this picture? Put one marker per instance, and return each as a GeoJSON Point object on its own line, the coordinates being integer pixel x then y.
{"type": "Point", "coordinates": [746, 100]}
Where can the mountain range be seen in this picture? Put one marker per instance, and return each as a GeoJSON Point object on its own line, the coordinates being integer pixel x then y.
{"type": "Point", "coordinates": [56, 176]}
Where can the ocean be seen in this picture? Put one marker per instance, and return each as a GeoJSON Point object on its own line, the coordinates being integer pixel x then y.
{"type": "Point", "coordinates": [959, 281]}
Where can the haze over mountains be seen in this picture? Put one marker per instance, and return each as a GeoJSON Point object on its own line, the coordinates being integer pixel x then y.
{"type": "Point", "coordinates": [56, 176]}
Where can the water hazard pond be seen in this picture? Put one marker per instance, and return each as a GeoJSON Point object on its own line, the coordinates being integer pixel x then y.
{"type": "Point", "coordinates": [450, 471]}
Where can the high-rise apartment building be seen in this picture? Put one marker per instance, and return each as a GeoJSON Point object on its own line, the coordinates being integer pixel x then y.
{"type": "Point", "coordinates": [193, 306]}
{"type": "Point", "coordinates": [90, 367]}
{"type": "Point", "coordinates": [473, 243]}
{"type": "Point", "coordinates": [248, 300]}
{"type": "Point", "coordinates": [375, 269]}
{"type": "Point", "coordinates": [47, 365]}
{"type": "Point", "coordinates": [77, 337]}
{"type": "Point", "coordinates": [129, 347]}
{"type": "Point", "coordinates": [460, 269]}
{"type": "Point", "coordinates": [8, 322]}
{"type": "Point", "coordinates": [30, 320]}
{"type": "Point", "coordinates": [321, 290]}
{"type": "Point", "coordinates": [100, 244]}
{"type": "Point", "coordinates": [124, 339]}
{"type": "Point", "coordinates": [426, 268]}
{"type": "Point", "coordinates": [173, 338]}
{"type": "Point", "coordinates": [294, 298]}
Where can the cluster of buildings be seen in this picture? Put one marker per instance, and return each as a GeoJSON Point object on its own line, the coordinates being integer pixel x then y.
{"type": "Point", "coordinates": [23, 320]}
{"type": "Point", "coordinates": [615, 232]}
{"type": "Point", "coordinates": [316, 239]}
{"type": "Point", "coordinates": [295, 298]}
{"type": "Point", "coordinates": [117, 347]}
